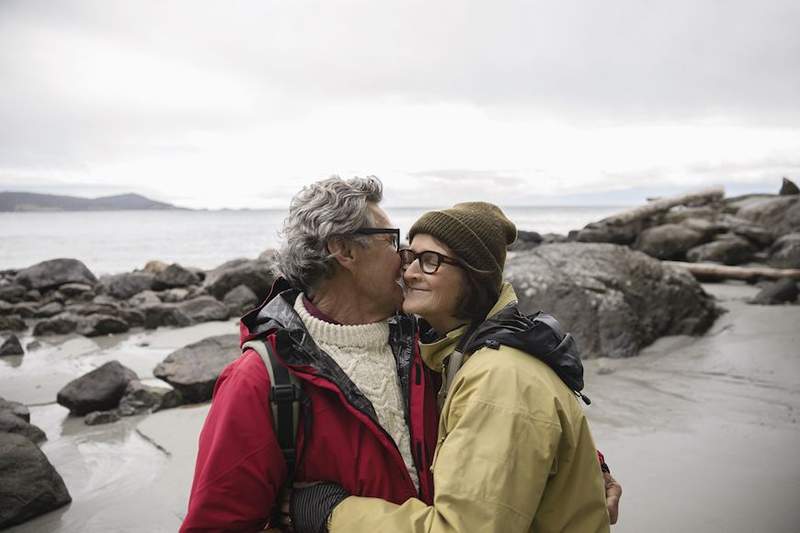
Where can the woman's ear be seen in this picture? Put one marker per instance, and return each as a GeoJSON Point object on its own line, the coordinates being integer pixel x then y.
{"type": "Point", "coordinates": [342, 251]}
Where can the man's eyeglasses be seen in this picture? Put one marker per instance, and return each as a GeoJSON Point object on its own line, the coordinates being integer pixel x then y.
{"type": "Point", "coordinates": [394, 232]}
{"type": "Point", "coordinates": [429, 261]}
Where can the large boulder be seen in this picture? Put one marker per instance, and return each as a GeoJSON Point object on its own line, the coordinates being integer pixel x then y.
{"type": "Point", "coordinates": [782, 291]}
{"type": "Point", "coordinates": [780, 214]}
{"type": "Point", "coordinates": [11, 346]}
{"type": "Point", "coordinates": [785, 252]}
{"type": "Point", "coordinates": [10, 423]}
{"type": "Point", "coordinates": [256, 275]}
{"type": "Point", "coordinates": [602, 232]}
{"type": "Point", "coordinates": [614, 300]}
{"type": "Point", "coordinates": [13, 293]}
{"type": "Point", "coordinates": [99, 324]}
{"type": "Point", "coordinates": [49, 309]}
{"type": "Point", "coordinates": [29, 485]}
{"type": "Point", "coordinates": [728, 249]}
{"type": "Point", "coordinates": [99, 390]}
{"type": "Point", "coordinates": [123, 286]}
{"type": "Point", "coordinates": [15, 408]}
{"type": "Point", "coordinates": [668, 241]}
{"type": "Point", "coordinates": [58, 325]}
{"type": "Point", "coordinates": [204, 309]}
{"type": "Point", "coordinates": [175, 276]}
{"type": "Point", "coordinates": [193, 369]}
{"type": "Point", "coordinates": [164, 315]}
{"type": "Point", "coordinates": [240, 299]}
{"type": "Point", "coordinates": [55, 272]}
{"type": "Point", "coordinates": [12, 323]}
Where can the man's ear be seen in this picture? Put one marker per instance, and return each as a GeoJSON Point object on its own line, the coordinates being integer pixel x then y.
{"type": "Point", "coordinates": [342, 251]}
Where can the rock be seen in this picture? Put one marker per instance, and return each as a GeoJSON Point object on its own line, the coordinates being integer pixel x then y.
{"type": "Point", "coordinates": [704, 227]}
{"type": "Point", "coordinates": [48, 310]}
{"type": "Point", "coordinates": [614, 300]}
{"type": "Point", "coordinates": [33, 295]}
{"type": "Point", "coordinates": [10, 423]}
{"type": "Point", "coordinates": [96, 325]}
{"type": "Point", "coordinates": [99, 390]}
{"type": "Point", "coordinates": [164, 315]}
{"type": "Point", "coordinates": [140, 398]}
{"type": "Point", "coordinates": [549, 238]}
{"type": "Point", "coordinates": [134, 317]}
{"type": "Point", "coordinates": [526, 240]}
{"type": "Point", "coordinates": [12, 293]}
{"type": "Point", "coordinates": [15, 408]}
{"type": "Point", "coordinates": [679, 214]}
{"type": "Point", "coordinates": [728, 249]}
{"type": "Point", "coordinates": [124, 286]}
{"type": "Point", "coordinates": [175, 276]}
{"type": "Point", "coordinates": [29, 485]}
{"type": "Point", "coordinates": [785, 252]}
{"type": "Point", "coordinates": [193, 369]}
{"type": "Point", "coordinates": [55, 272]}
{"type": "Point", "coordinates": [175, 295]}
{"type": "Point", "coordinates": [11, 346]}
{"type": "Point", "coordinates": [6, 308]}
{"type": "Point", "coordinates": [76, 290]}
{"type": "Point", "coordinates": [12, 323]}
{"type": "Point", "coordinates": [58, 325]}
{"type": "Point", "coordinates": [94, 308]}
{"type": "Point", "coordinates": [33, 345]}
{"type": "Point", "coordinates": [239, 300]}
{"type": "Point", "coordinates": [756, 234]}
{"type": "Point", "coordinates": [204, 309]}
{"type": "Point", "coordinates": [95, 418]}
{"type": "Point", "coordinates": [780, 214]}
{"type": "Point", "coordinates": [24, 310]}
{"type": "Point", "coordinates": [155, 266]}
{"type": "Point", "coordinates": [257, 275]}
{"type": "Point", "coordinates": [601, 232]}
{"type": "Point", "coordinates": [782, 291]}
{"type": "Point", "coordinates": [144, 298]}
{"type": "Point", "coordinates": [669, 241]}
{"type": "Point", "coordinates": [788, 188]}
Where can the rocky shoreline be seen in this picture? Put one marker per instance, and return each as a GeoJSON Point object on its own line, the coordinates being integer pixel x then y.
{"type": "Point", "coordinates": [614, 284]}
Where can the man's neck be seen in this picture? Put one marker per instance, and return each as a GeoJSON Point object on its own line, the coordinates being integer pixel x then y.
{"type": "Point", "coordinates": [340, 301]}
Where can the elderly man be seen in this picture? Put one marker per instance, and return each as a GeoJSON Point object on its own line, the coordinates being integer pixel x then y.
{"type": "Point", "coordinates": [369, 420]}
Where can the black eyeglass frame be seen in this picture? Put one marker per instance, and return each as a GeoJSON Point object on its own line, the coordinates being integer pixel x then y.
{"type": "Point", "coordinates": [418, 257]}
{"type": "Point", "coordinates": [381, 231]}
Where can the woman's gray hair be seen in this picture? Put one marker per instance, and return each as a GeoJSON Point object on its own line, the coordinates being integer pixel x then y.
{"type": "Point", "coordinates": [327, 208]}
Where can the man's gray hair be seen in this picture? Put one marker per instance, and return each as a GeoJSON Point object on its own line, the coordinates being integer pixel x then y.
{"type": "Point", "coordinates": [327, 208]}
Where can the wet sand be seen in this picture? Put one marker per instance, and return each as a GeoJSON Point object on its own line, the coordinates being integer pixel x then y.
{"type": "Point", "coordinates": [702, 432]}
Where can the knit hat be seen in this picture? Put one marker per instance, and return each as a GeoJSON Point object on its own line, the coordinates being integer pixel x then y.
{"type": "Point", "coordinates": [477, 232]}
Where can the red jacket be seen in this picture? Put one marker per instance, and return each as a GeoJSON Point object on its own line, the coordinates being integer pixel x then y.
{"type": "Point", "coordinates": [240, 467]}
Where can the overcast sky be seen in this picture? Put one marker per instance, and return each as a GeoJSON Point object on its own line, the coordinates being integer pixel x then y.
{"type": "Point", "coordinates": [240, 103]}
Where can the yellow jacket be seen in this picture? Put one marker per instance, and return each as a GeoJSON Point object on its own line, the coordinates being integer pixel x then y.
{"type": "Point", "coordinates": [514, 454]}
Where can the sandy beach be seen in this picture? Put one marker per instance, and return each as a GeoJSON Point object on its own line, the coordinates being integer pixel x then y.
{"type": "Point", "coordinates": [702, 432]}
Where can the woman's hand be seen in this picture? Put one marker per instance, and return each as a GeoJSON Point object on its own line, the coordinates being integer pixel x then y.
{"type": "Point", "coordinates": [613, 494]}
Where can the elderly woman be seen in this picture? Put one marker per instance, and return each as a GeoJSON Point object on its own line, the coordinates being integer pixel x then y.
{"type": "Point", "coordinates": [514, 452]}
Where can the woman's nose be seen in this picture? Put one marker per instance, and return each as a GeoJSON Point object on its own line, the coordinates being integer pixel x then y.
{"type": "Point", "coordinates": [411, 271]}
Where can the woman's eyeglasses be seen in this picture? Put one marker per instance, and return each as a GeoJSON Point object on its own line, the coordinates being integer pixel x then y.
{"type": "Point", "coordinates": [393, 232]}
{"type": "Point", "coordinates": [429, 261]}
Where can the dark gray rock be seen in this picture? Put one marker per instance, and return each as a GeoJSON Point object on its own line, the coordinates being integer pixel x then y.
{"type": "Point", "coordinates": [706, 228]}
{"type": "Point", "coordinates": [257, 275]}
{"type": "Point", "coordinates": [204, 309]}
{"type": "Point", "coordinates": [164, 315]}
{"type": "Point", "coordinates": [15, 408]}
{"type": "Point", "coordinates": [728, 249]}
{"type": "Point", "coordinates": [76, 290]}
{"type": "Point", "coordinates": [55, 272]}
{"type": "Point", "coordinates": [669, 241]}
{"type": "Point", "coordinates": [58, 325]}
{"type": "Point", "coordinates": [33, 295]}
{"type": "Point", "coordinates": [785, 252]}
{"type": "Point", "coordinates": [95, 418]}
{"type": "Point", "coordinates": [602, 232]}
{"type": "Point", "coordinates": [144, 298]}
{"type": "Point", "coordinates": [526, 240]}
{"type": "Point", "coordinates": [12, 293]}
{"type": "Point", "coordinates": [782, 291]}
{"type": "Point", "coordinates": [11, 346]}
{"type": "Point", "coordinates": [123, 286]}
{"type": "Point", "coordinates": [758, 235]}
{"type": "Point", "coordinates": [24, 310]}
{"type": "Point", "coordinates": [10, 423]}
{"type": "Point", "coordinates": [140, 398]}
{"type": "Point", "coordinates": [96, 325]}
{"type": "Point", "coordinates": [614, 300]}
{"type": "Point", "coordinates": [175, 276]}
{"type": "Point", "coordinates": [12, 323]}
{"type": "Point", "coordinates": [6, 308]}
{"type": "Point", "coordinates": [193, 369]}
{"type": "Point", "coordinates": [134, 317]}
{"type": "Point", "coordinates": [98, 390]}
{"type": "Point", "coordinates": [239, 300]}
{"type": "Point", "coordinates": [48, 310]}
{"type": "Point", "coordinates": [29, 485]}
{"type": "Point", "coordinates": [788, 188]}
{"type": "Point", "coordinates": [95, 308]}
{"type": "Point", "coordinates": [780, 214]}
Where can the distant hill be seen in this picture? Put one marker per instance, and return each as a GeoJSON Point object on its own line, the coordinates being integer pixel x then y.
{"type": "Point", "coordinates": [29, 201]}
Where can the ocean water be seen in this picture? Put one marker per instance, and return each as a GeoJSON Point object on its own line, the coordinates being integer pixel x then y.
{"type": "Point", "coordinates": [110, 242]}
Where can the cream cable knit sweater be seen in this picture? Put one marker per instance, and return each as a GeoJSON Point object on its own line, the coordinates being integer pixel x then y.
{"type": "Point", "coordinates": [363, 352]}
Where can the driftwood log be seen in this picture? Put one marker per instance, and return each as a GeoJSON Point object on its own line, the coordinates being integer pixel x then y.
{"type": "Point", "coordinates": [657, 206]}
{"type": "Point", "coordinates": [710, 271]}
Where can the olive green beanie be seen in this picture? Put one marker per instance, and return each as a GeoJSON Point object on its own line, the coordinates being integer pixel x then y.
{"type": "Point", "coordinates": [477, 232]}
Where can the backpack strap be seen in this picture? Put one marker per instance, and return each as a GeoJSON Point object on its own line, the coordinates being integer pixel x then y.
{"type": "Point", "coordinates": [285, 398]}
